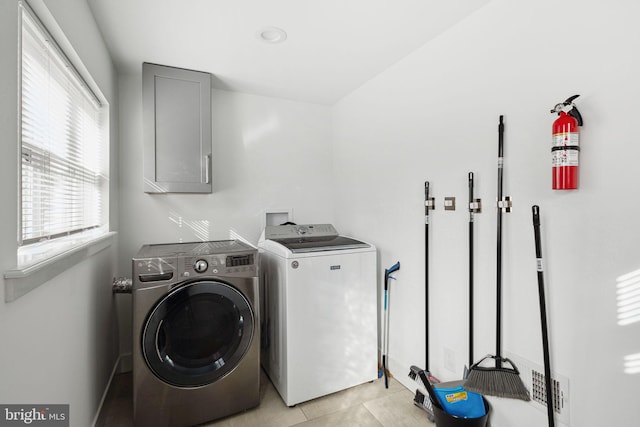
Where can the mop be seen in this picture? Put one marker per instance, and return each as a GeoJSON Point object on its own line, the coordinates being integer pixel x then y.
{"type": "Point", "coordinates": [385, 328]}
{"type": "Point", "coordinates": [501, 381]}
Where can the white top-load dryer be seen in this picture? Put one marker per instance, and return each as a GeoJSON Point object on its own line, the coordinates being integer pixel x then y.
{"type": "Point", "coordinates": [319, 310]}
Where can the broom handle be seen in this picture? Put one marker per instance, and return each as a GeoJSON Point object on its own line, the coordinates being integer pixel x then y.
{"type": "Point", "coordinates": [499, 247]}
{"type": "Point", "coordinates": [543, 315]}
{"type": "Point", "coordinates": [426, 275]}
{"type": "Point", "coordinates": [470, 269]}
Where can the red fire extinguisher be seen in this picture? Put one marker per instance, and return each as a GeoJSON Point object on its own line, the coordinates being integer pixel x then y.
{"type": "Point", "coordinates": [565, 146]}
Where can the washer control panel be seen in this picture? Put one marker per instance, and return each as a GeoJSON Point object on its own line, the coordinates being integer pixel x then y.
{"type": "Point", "coordinates": [275, 232]}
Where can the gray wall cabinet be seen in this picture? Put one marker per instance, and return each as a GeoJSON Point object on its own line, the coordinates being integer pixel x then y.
{"type": "Point", "coordinates": [177, 130]}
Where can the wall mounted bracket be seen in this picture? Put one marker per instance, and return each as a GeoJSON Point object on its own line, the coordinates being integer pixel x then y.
{"type": "Point", "coordinates": [475, 206]}
{"type": "Point", "coordinates": [450, 203]}
{"type": "Point", "coordinates": [505, 204]}
{"type": "Point", "coordinates": [429, 205]}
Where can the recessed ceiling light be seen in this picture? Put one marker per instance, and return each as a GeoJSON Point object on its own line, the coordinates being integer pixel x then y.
{"type": "Point", "coordinates": [272, 35]}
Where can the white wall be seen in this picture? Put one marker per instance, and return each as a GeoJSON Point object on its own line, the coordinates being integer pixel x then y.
{"type": "Point", "coordinates": [433, 116]}
{"type": "Point", "coordinates": [267, 154]}
{"type": "Point", "coordinates": [59, 342]}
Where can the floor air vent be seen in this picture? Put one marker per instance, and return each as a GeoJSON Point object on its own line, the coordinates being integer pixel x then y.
{"type": "Point", "coordinates": [539, 392]}
{"type": "Point", "coordinates": [532, 375]}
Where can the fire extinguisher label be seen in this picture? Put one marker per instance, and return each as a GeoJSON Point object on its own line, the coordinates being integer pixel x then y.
{"type": "Point", "coordinates": [566, 139]}
{"type": "Point", "coordinates": [561, 158]}
{"type": "Point", "coordinates": [565, 149]}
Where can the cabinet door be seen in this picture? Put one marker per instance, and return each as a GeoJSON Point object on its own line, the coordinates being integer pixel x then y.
{"type": "Point", "coordinates": [177, 130]}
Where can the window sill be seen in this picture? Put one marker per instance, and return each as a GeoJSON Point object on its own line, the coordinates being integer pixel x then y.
{"type": "Point", "coordinates": [20, 281]}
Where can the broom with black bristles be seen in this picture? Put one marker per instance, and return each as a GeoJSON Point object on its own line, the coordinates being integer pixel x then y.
{"type": "Point", "coordinates": [501, 380]}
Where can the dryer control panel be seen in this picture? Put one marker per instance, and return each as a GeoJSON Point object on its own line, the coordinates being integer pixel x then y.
{"type": "Point", "coordinates": [212, 265]}
{"type": "Point", "coordinates": [173, 262]}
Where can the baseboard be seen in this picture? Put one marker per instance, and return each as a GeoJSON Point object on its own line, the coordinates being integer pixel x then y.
{"type": "Point", "coordinates": [114, 371]}
{"type": "Point", "coordinates": [400, 372]}
{"type": "Point", "coordinates": [125, 363]}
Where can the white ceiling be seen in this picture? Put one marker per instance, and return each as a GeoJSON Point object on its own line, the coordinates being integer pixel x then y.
{"type": "Point", "coordinates": [332, 46]}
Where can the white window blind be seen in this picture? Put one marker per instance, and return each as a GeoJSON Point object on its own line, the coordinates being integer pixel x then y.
{"type": "Point", "coordinates": [63, 182]}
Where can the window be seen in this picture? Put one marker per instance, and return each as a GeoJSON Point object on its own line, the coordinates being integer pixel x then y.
{"type": "Point", "coordinates": [63, 150]}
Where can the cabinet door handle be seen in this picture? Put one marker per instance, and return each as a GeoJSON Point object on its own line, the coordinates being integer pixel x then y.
{"type": "Point", "coordinates": [207, 169]}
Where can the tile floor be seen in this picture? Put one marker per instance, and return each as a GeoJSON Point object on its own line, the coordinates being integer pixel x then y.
{"type": "Point", "coordinates": [366, 405]}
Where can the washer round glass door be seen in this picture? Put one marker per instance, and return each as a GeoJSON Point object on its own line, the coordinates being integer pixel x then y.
{"type": "Point", "coordinates": [197, 333]}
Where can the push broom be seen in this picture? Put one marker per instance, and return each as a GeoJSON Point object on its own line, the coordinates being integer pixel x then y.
{"type": "Point", "coordinates": [501, 380]}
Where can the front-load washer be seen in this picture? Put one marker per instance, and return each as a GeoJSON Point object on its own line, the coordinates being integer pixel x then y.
{"type": "Point", "coordinates": [196, 353]}
{"type": "Point", "coordinates": [319, 310]}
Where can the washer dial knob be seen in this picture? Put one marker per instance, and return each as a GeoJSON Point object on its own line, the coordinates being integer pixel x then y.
{"type": "Point", "coordinates": [200, 266]}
